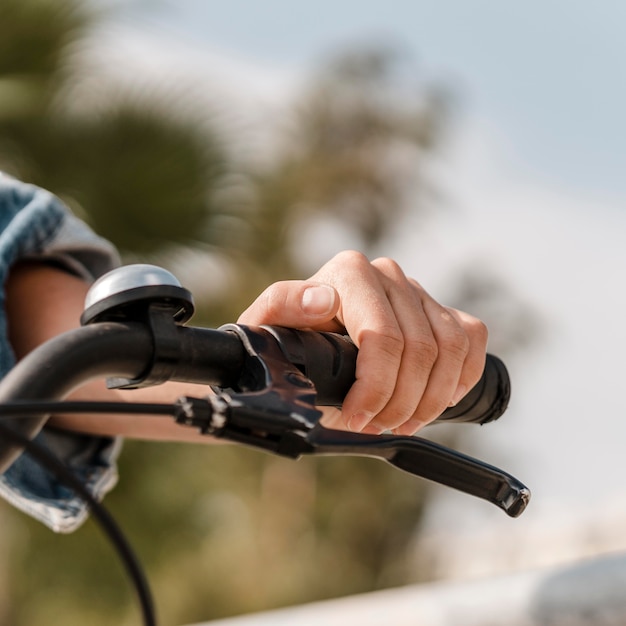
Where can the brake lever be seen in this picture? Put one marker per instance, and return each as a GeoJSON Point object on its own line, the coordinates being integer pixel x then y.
{"type": "Point", "coordinates": [273, 408]}
{"type": "Point", "coordinates": [429, 460]}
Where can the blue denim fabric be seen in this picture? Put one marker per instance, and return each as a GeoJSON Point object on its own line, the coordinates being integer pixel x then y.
{"type": "Point", "coordinates": [34, 224]}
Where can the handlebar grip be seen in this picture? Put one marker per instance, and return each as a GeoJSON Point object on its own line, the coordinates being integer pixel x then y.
{"type": "Point", "coordinates": [329, 360]}
{"type": "Point", "coordinates": [487, 400]}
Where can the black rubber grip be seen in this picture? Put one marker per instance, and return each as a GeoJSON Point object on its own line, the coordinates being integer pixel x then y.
{"type": "Point", "coordinates": [329, 360]}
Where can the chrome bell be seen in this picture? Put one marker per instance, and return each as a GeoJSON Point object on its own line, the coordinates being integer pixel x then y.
{"type": "Point", "coordinates": [133, 286]}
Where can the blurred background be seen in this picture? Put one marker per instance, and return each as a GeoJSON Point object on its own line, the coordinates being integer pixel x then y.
{"type": "Point", "coordinates": [480, 144]}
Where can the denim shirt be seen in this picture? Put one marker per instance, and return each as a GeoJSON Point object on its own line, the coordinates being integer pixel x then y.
{"type": "Point", "coordinates": [34, 224]}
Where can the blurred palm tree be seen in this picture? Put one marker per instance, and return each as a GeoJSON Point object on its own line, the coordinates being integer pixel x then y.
{"type": "Point", "coordinates": [221, 530]}
{"type": "Point", "coordinates": [144, 174]}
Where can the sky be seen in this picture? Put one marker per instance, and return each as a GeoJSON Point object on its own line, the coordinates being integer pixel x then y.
{"type": "Point", "coordinates": [534, 173]}
{"type": "Point", "coordinates": [549, 74]}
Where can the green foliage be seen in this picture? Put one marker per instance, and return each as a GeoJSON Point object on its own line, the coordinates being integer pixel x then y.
{"type": "Point", "coordinates": [143, 178]}
{"type": "Point", "coordinates": [140, 174]}
{"type": "Point", "coordinates": [34, 36]}
{"type": "Point", "coordinates": [224, 530]}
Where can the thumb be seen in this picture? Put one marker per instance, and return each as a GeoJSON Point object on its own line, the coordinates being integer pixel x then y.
{"type": "Point", "coordinates": [293, 303]}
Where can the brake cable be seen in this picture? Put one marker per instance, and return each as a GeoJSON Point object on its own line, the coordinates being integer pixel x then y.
{"type": "Point", "coordinates": [101, 515]}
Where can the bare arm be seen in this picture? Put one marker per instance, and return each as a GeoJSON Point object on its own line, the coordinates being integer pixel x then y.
{"type": "Point", "coordinates": [42, 302]}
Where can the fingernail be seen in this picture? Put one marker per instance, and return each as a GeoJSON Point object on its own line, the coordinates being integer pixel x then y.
{"type": "Point", "coordinates": [359, 421]}
{"type": "Point", "coordinates": [459, 394]}
{"type": "Point", "coordinates": [318, 300]}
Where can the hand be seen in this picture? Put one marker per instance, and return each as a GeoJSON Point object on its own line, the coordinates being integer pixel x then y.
{"type": "Point", "coordinates": [416, 357]}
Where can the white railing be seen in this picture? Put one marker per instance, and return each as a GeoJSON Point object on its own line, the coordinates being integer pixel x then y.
{"type": "Point", "coordinates": [590, 592]}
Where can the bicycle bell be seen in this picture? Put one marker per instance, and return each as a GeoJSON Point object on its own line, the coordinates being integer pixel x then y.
{"type": "Point", "coordinates": [136, 286]}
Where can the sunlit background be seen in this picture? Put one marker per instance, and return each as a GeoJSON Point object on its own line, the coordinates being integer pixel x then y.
{"type": "Point", "coordinates": [480, 144]}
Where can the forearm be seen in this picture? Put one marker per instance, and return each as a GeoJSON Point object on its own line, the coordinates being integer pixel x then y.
{"type": "Point", "coordinates": [129, 425]}
{"type": "Point", "coordinates": [42, 302]}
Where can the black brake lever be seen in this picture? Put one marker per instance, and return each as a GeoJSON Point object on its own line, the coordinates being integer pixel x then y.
{"type": "Point", "coordinates": [431, 461]}
{"type": "Point", "coordinates": [273, 408]}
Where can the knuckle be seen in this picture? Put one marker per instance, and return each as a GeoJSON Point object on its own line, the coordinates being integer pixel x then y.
{"type": "Point", "coordinates": [391, 341]}
{"type": "Point", "coordinates": [390, 268]}
{"type": "Point", "coordinates": [453, 338]}
{"type": "Point", "coordinates": [351, 258]}
{"type": "Point", "coordinates": [423, 348]}
{"type": "Point", "coordinates": [273, 300]}
{"type": "Point", "coordinates": [479, 331]}
{"type": "Point", "coordinates": [475, 328]}
{"type": "Point", "coordinates": [456, 343]}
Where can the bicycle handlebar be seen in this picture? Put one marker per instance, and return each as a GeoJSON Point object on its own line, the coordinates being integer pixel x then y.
{"type": "Point", "coordinates": [208, 356]}
{"type": "Point", "coordinates": [269, 382]}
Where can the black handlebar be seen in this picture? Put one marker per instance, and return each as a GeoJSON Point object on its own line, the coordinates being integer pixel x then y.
{"type": "Point", "coordinates": [126, 350]}
{"type": "Point", "coordinates": [115, 349]}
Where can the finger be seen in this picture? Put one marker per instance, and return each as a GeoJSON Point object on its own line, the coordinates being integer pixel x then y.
{"type": "Point", "coordinates": [445, 377]}
{"type": "Point", "coordinates": [295, 303]}
{"type": "Point", "coordinates": [474, 364]}
{"type": "Point", "coordinates": [369, 319]}
{"type": "Point", "coordinates": [379, 338]}
{"type": "Point", "coordinates": [419, 351]}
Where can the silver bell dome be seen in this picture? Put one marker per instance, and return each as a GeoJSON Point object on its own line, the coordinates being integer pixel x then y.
{"type": "Point", "coordinates": [135, 284]}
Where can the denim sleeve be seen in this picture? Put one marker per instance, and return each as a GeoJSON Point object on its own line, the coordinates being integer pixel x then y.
{"type": "Point", "coordinates": [34, 224]}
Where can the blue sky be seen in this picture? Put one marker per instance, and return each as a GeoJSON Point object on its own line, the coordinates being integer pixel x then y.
{"type": "Point", "coordinates": [549, 74]}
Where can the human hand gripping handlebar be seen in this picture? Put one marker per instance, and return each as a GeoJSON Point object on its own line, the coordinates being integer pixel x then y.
{"type": "Point", "coordinates": [268, 383]}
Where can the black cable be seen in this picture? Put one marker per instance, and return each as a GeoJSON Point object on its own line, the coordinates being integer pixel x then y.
{"type": "Point", "coordinates": [28, 408]}
{"type": "Point", "coordinates": [107, 523]}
